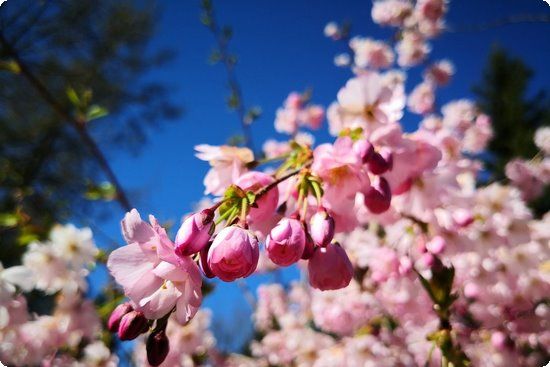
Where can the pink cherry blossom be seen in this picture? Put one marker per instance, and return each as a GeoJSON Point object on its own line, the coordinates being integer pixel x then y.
{"type": "Point", "coordinates": [391, 12]}
{"type": "Point", "coordinates": [439, 72]}
{"type": "Point", "coordinates": [422, 98]}
{"type": "Point", "coordinates": [367, 101]}
{"type": "Point", "coordinates": [152, 276]}
{"type": "Point", "coordinates": [267, 204]}
{"type": "Point", "coordinates": [371, 54]}
{"type": "Point", "coordinates": [227, 164]}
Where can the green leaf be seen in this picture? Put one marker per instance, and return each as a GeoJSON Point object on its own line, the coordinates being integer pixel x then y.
{"type": "Point", "coordinates": [96, 112]}
{"type": "Point", "coordinates": [104, 191]}
{"type": "Point", "coordinates": [73, 97]}
{"type": "Point", "coordinates": [10, 65]}
{"type": "Point", "coordinates": [8, 219]}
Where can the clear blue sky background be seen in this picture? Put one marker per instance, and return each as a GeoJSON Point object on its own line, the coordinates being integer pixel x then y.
{"type": "Point", "coordinates": [281, 48]}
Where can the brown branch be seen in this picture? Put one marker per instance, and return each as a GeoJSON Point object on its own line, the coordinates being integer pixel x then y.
{"type": "Point", "coordinates": [78, 124]}
{"type": "Point", "coordinates": [265, 189]}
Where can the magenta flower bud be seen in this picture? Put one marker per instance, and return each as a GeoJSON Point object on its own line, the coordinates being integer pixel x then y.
{"type": "Point", "coordinates": [116, 316]}
{"type": "Point", "coordinates": [500, 341]}
{"type": "Point", "coordinates": [234, 254]}
{"type": "Point", "coordinates": [203, 264]}
{"type": "Point", "coordinates": [321, 228]}
{"type": "Point", "coordinates": [364, 149]}
{"type": "Point", "coordinates": [378, 196]}
{"type": "Point", "coordinates": [286, 242]}
{"type": "Point", "coordinates": [463, 217]}
{"type": "Point", "coordinates": [194, 233]}
{"type": "Point", "coordinates": [329, 268]}
{"type": "Point", "coordinates": [471, 290]}
{"type": "Point", "coordinates": [132, 325]}
{"type": "Point", "coordinates": [309, 248]}
{"type": "Point", "coordinates": [157, 347]}
{"type": "Point", "coordinates": [380, 162]}
{"type": "Point", "coordinates": [436, 245]}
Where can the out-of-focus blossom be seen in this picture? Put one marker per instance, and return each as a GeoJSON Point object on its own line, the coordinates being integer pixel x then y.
{"type": "Point", "coordinates": [371, 54]}
{"type": "Point", "coordinates": [227, 164]}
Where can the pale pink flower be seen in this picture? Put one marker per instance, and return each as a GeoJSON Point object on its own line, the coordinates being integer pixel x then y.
{"type": "Point", "coordinates": [152, 276]}
{"type": "Point", "coordinates": [367, 101]}
{"type": "Point", "coordinates": [227, 163]}
{"type": "Point", "coordinates": [234, 254]}
{"type": "Point", "coordinates": [332, 30]}
{"type": "Point", "coordinates": [542, 139]}
{"type": "Point", "coordinates": [391, 12]}
{"type": "Point", "coordinates": [412, 49]}
{"type": "Point", "coordinates": [267, 204]}
{"type": "Point", "coordinates": [340, 167]}
{"type": "Point", "coordinates": [422, 98]}
{"type": "Point", "coordinates": [370, 53]}
{"type": "Point", "coordinates": [432, 10]}
{"type": "Point", "coordinates": [440, 72]}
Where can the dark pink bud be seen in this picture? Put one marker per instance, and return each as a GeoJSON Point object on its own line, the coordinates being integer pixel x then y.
{"type": "Point", "coordinates": [378, 196]}
{"type": "Point", "coordinates": [116, 316]}
{"type": "Point", "coordinates": [204, 261]}
{"type": "Point", "coordinates": [194, 233]}
{"type": "Point", "coordinates": [132, 325]}
{"type": "Point", "coordinates": [364, 149]}
{"type": "Point", "coordinates": [380, 162]}
{"type": "Point", "coordinates": [286, 242]}
{"type": "Point", "coordinates": [309, 248]}
{"type": "Point", "coordinates": [321, 228]}
{"type": "Point", "coordinates": [463, 217]}
{"type": "Point", "coordinates": [157, 347]}
{"type": "Point", "coordinates": [403, 187]}
{"type": "Point", "coordinates": [329, 268]}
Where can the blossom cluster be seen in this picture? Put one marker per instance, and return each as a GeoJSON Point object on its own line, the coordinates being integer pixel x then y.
{"type": "Point", "coordinates": [406, 261]}
{"type": "Point", "coordinates": [56, 268]}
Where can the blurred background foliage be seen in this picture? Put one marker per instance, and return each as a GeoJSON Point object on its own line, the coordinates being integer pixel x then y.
{"type": "Point", "coordinates": [503, 94]}
{"type": "Point", "coordinates": [93, 57]}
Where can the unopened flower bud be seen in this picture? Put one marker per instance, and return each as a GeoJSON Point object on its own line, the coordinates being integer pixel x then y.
{"type": "Point", "coordinates": [378, 196]}
{"type": "Point", "coordinates": [204, 261]}
{"type": "Point", "coordinates": [380, 162]}
{"type": "Point", "coordinates": [309, 248]}
{"type": "Point", "coordinates": [194, 233]}
{"type": "Point", "coordinates": [157, 347]}
{"type": "Point", "coordinates": [234, 254]}
{"type": "Point", "coordinates": [286, 242]}
{"type": "Point", "coordinates": [330, 268]}
{"type": "Point", "coordinates": [364, 149]}
{"type": "Point", "coordinates": [471, 290]}
{"type": "Point", "coordinates": [463, 217]}
{"type": "Point", "coordinates": [132, 325]}
{"type": "Point", "coordinates": [117, 314]}
{"type": "Point", "coordinates": [436, 245]}
{"type": "Point", "coordinates": [321, 228]}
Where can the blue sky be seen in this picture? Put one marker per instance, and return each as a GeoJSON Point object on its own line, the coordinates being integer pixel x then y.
{"type": "Point", "coordinates": [281, 48]}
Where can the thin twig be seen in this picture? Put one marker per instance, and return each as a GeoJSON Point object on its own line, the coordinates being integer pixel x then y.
{"type": "Point", "coordinates": [77, 124]}
{"type": "Point", "coordinates": [265, 189]}
{"type": "Point", "coordinates": [512, 19]}
{"type": "Point", "coordinates": [234, 84]}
